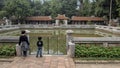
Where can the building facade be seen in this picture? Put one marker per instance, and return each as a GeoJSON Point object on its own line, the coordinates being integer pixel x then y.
{"type": "Point", "coordinates": [88, 20]}
{"type": "Point", "coordinates": [42, 20]}
{"type": "Point", "coordinates": [64, 21]}
{"type": "Point", "coordinates": [61, 20]}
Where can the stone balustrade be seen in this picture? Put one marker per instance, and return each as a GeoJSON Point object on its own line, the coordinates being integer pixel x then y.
{"type": "Point", "coordinates": [108, 28]}
{"type": "Point", "coordinates": [9, 39]}
{"type": "Point", "coordinates": [71, 41]}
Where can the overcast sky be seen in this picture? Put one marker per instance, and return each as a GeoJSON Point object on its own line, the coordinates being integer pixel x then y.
{"type": "Point", "coordinates": [91, 0]}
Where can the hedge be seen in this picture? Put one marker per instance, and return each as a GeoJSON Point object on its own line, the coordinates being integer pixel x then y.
{"type": "Point", "coordinates": [7, 50]}
{"type": "Point", "coordinates": [96, 51]}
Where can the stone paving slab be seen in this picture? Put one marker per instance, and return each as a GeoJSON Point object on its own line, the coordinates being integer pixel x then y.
{"type": "Point", "coordinates": [97, 65]}
{"type": "Point", "coordinates": [4, 64]}
{"type": "Point", "coordinates": [97, 61]}
{"type": "Point", "coordinates": [44, 62]}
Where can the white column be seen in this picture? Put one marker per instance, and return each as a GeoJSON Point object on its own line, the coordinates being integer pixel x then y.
{"type": "Point", "coordinates": [56, 22]}
{"type": "Point", "coordinates": [6, 22]}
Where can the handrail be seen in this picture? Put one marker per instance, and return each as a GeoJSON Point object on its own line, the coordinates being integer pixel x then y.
{"type": "Point", "coordinates": [96, 39]}
{"type": "Point", "coordinates": [9, 39]}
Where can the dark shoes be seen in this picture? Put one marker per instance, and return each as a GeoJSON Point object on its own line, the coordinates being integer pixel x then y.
{"type": "Point", "coordinates": [24, 55]}
{"type": "Point", "coordinates": [37, 56]}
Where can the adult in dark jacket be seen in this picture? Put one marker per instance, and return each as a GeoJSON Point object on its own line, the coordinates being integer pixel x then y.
{"type": "Point", "coordinates": [39, 45]}
{"type": "Point", "coordinates": [23, 42]}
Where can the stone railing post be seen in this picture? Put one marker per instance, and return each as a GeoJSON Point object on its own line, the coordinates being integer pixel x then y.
{"type": "Point", "coordinates": [71, 50]}
{"type": "Point", "coordinates": [18, 50]}
{"type": "Point", "coordinates": [68, 37]}
{"type": "Point", "coordinates": [69, 45]}
{"type": "Point", "coordinates": [105, 44]}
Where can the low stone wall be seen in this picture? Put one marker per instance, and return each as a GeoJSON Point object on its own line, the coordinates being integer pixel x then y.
{"type": "Point", "coordinates": [108, 28]}
{"type": "Point", "coordinates": [9, 39]}
{"type": "Point", "coordinates": [8, 27]}
{"type": "Point", "coordinates": [71, 41]}
{"type": "Point", "coordinates": [52, 26]}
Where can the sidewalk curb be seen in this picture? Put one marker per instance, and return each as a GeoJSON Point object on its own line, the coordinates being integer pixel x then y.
{"type": "Point", "coordinates": [6, 60]}
{"type": "Point", "coordinates": [97, 62]}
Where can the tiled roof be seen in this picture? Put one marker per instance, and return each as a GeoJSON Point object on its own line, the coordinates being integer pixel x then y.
{"type": "Point", "coordinates": [75, 18]}
{"type": "Point", "coordinates": [61, 17]}
{"type": "Point", "coordinates": [39, 18]}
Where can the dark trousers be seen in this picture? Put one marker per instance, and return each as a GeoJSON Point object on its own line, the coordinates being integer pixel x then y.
{"type": "Point", "coordinates": [39, 52]}
{"type": "Point", "coordinates": [24, 53]}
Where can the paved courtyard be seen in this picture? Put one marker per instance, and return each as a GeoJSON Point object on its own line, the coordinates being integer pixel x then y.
{"type": "Point", "coordinates": [4, 64]}
{"type": "Point", "coordinates": [44, 62]}
{"type": "Point", "coordinates": [55, 62]}
{"type": "Point", "coordinates": [97, 65]}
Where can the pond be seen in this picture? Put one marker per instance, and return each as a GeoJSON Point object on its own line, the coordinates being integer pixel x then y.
{"type": "Point", "coordinates": [55, 40]}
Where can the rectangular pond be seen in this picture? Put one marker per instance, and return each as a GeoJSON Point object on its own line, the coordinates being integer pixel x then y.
{"type": "Point", "coordinates": [55, 40]}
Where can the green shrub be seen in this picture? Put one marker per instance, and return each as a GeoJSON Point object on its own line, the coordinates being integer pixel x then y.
{"type": "Point", "coordinates": [96, 51]}
{"type": "Point", "coordinates": [7, 50]}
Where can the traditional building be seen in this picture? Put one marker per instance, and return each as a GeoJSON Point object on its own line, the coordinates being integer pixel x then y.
{"type": "Point", "coordinates": [87, 20]}
{"type": "Point", "coordinates": [14, 20]}
{"type": "Point", "coordinates": [43, 20]}
{"type": "Point", "coordinates": [61, 20]}
{"type": "Point", "coordinates": [5, 21]}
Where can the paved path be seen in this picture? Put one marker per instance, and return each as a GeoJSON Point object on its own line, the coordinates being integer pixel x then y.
{"type": "Point", "coordinates": [44, 62]}
{"type": "Point", "coordinates": [4, 64]}
{"type": "Point", "coordinates": [97, 65]}
{"type": "Point", "coordinates": [55, 62]}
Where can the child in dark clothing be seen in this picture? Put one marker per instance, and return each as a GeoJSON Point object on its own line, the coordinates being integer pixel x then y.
{"type": "Point", "coordinates": [39, 45]}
